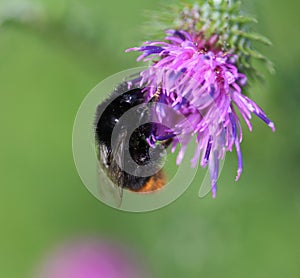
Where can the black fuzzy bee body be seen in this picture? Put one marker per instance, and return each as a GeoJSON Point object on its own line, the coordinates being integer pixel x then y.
{"type": "Point", "coordinates": [112, 151]}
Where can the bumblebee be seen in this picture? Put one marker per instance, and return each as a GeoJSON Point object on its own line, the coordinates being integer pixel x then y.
{"type": "Point", "coordinates": [123, 154]}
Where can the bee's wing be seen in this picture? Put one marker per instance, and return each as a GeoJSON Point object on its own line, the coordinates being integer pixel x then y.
{"type": "Point", "coordinates": [111, 192]}
{"type": "Point", "coordinates": [118, 152]}
{"type": "Point", "coordinates": [205, 187]}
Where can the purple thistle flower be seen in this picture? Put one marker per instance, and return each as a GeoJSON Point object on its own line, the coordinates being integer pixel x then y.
{"type": "Point", "coordinates": [201, 82]}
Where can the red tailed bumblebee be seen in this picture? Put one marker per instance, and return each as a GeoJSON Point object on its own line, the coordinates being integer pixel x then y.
{"type": "Point", "coordinates": [124, 154]}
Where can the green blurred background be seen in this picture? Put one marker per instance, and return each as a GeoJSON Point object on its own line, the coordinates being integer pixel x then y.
{"type": "Point", "coordinates": [52, 53]}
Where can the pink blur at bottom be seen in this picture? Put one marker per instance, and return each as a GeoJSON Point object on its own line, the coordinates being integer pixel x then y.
{"type": "Point", "coordinates": [91, 258]}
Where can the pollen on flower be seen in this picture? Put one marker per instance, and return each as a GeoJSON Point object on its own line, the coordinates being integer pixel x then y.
{"type": "Point", "coordinates": [203, 82]}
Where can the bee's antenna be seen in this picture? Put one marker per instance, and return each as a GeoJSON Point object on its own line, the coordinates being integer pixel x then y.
{"type": "Point", "coordinates": [155, 98]}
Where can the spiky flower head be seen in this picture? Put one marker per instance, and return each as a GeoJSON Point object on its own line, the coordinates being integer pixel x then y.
{"type": "Point", "coordinates": [200, 69]}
